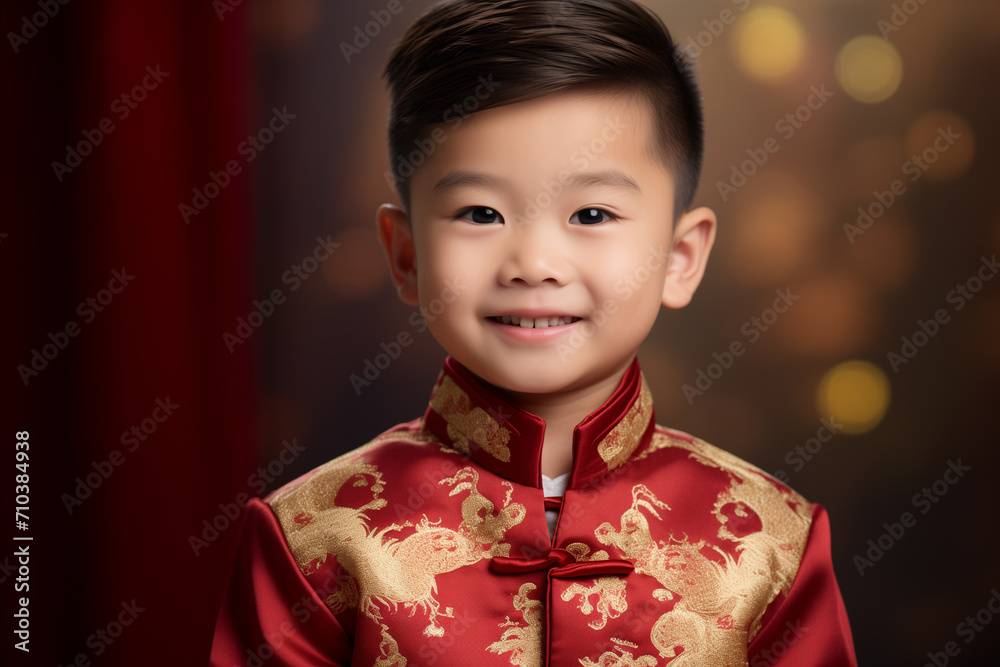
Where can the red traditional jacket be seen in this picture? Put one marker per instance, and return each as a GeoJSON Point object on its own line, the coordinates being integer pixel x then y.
{"type": "Point", "coordinates": [429, 546]}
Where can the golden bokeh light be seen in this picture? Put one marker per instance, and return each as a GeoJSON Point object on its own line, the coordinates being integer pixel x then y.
{"type": "Point", "coordinates": [869, 69]}
{"type": "Point", "coordinates": [769, 43]}
{"type": "Point", "coordinates": [855, 394]}
{"type": "Point", "coordinates": [358, 267]}
{"type": "Point", "coordinates": [941, 144]}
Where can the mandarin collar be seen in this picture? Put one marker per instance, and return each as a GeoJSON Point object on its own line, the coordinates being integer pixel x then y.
{"type": "Point", "coordinates": [468, 415]}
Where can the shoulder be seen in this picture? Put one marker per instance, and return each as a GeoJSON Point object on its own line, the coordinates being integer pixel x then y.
{"type": "Point", "coordinates": [332, 503]}
{"type": "Point", "coordinates": [401, 442]}
{"type": "Point", "coordinates": [740, 484]}
{"type": "Point", "coordinates": [697, 451]}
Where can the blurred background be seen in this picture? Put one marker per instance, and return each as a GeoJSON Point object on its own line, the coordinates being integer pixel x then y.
{"type": "Point", "coordinates": [191, 278]}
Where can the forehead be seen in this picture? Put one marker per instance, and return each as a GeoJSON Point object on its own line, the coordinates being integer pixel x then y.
{"type": "Point", "coordinates": [568, 136]}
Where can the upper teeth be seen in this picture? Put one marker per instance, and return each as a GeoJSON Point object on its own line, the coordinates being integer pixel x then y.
{"type": "Point", "coordinates": [535, 323]}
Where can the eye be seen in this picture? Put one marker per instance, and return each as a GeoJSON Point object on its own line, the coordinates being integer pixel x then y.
{"type": "Point", "coordinates": [591, 216]}
{"type": "Point", "coordinates": [481, 215]}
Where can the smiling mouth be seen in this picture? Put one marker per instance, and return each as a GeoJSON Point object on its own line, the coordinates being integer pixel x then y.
{"type": "Point", "coordinates": [536, 322]}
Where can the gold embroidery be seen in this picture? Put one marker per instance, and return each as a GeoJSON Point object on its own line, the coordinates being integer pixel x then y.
{"type": "Point", "coordinates": [611, 603]}
{"type": "Point", "coordinates": [623, 659]}
{"type": "Point", "coordinates": [720, 600]}
{"type": "Point", "coordinates": [478, 518]}
{"type": "Point", "coordinates": [523, 642]}
{"type": "Point", "coordinates": [305, 509]}
{"type": "Point", "coordinates": [698, 638]}
{"type": "Point", "coordinates": [468, 425]}
{"type": "Point", "coordinates": [619, 444]}
{"type": "Point", "coordinates": [610, 591]}
{"type": "Point", "coordinates": [345, 597]}
{"type": "Point", "coordinates": [772, 554]}
{"type": "Point", "coordinates": [388, 571]}
{"type": "Point", "coordinates": [580, 551]}
{"type": "Point", "coordinates": [390, 651]}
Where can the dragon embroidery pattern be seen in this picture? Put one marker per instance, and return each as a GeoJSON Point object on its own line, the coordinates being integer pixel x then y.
{"type": "Point", "coordinates": [719, 601]}
{"type": "Point", "coordinates": [523, 642]}
{"type": "Point", "coordinates": [387, 571]}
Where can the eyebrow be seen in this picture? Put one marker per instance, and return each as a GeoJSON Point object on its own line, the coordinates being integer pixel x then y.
{"type": "Point", "coordinates": [610, 178]}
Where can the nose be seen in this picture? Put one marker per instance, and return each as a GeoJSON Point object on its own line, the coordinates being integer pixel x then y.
{"type": "Point", "coordinates": [535, 254]}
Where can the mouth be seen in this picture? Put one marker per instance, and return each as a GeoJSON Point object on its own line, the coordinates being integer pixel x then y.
{"type": "Point", "coordinates": [535, 322]}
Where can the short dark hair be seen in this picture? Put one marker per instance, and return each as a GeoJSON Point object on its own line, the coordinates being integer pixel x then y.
{"type": "Point", "coordinates": [531, 48]}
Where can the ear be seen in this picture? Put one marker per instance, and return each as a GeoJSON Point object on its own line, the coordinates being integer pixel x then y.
{"type": "Point", "coordinates": [397, 243]}
{"type": "Point", "coordinates": [693, 239]}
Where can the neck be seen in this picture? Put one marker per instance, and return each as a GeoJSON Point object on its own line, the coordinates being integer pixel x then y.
{"type": "Point", "coordinates": [562, 412]}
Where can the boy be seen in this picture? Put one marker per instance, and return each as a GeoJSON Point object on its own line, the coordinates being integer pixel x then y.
{"type": "Point", "coordinates": [546, 155]}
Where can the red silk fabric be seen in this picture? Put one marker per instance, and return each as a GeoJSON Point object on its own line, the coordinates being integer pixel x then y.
{"type": "Point", "coordinates": [666, 550]}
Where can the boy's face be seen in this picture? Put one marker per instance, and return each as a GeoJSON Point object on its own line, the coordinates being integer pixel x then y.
{"type": "Point", "coordinates": [550, 211]}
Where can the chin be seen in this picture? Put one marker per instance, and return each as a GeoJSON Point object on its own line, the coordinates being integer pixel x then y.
{"type": "Point", "coordinates": [515, 377]}
{"type": "Point", "coordinates": [540, 378]}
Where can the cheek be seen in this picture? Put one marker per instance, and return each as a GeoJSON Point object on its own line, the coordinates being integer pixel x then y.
{"type": "Point", "coordinates": [442, 266]}
{"type": "Point", "coordinates": [450, 282]}
{"type": "Point", "coordinates": [637, 271]}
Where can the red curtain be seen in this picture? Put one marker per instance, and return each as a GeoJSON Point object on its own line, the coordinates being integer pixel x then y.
{"type": "Point", "coordinates": [142, 422]}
